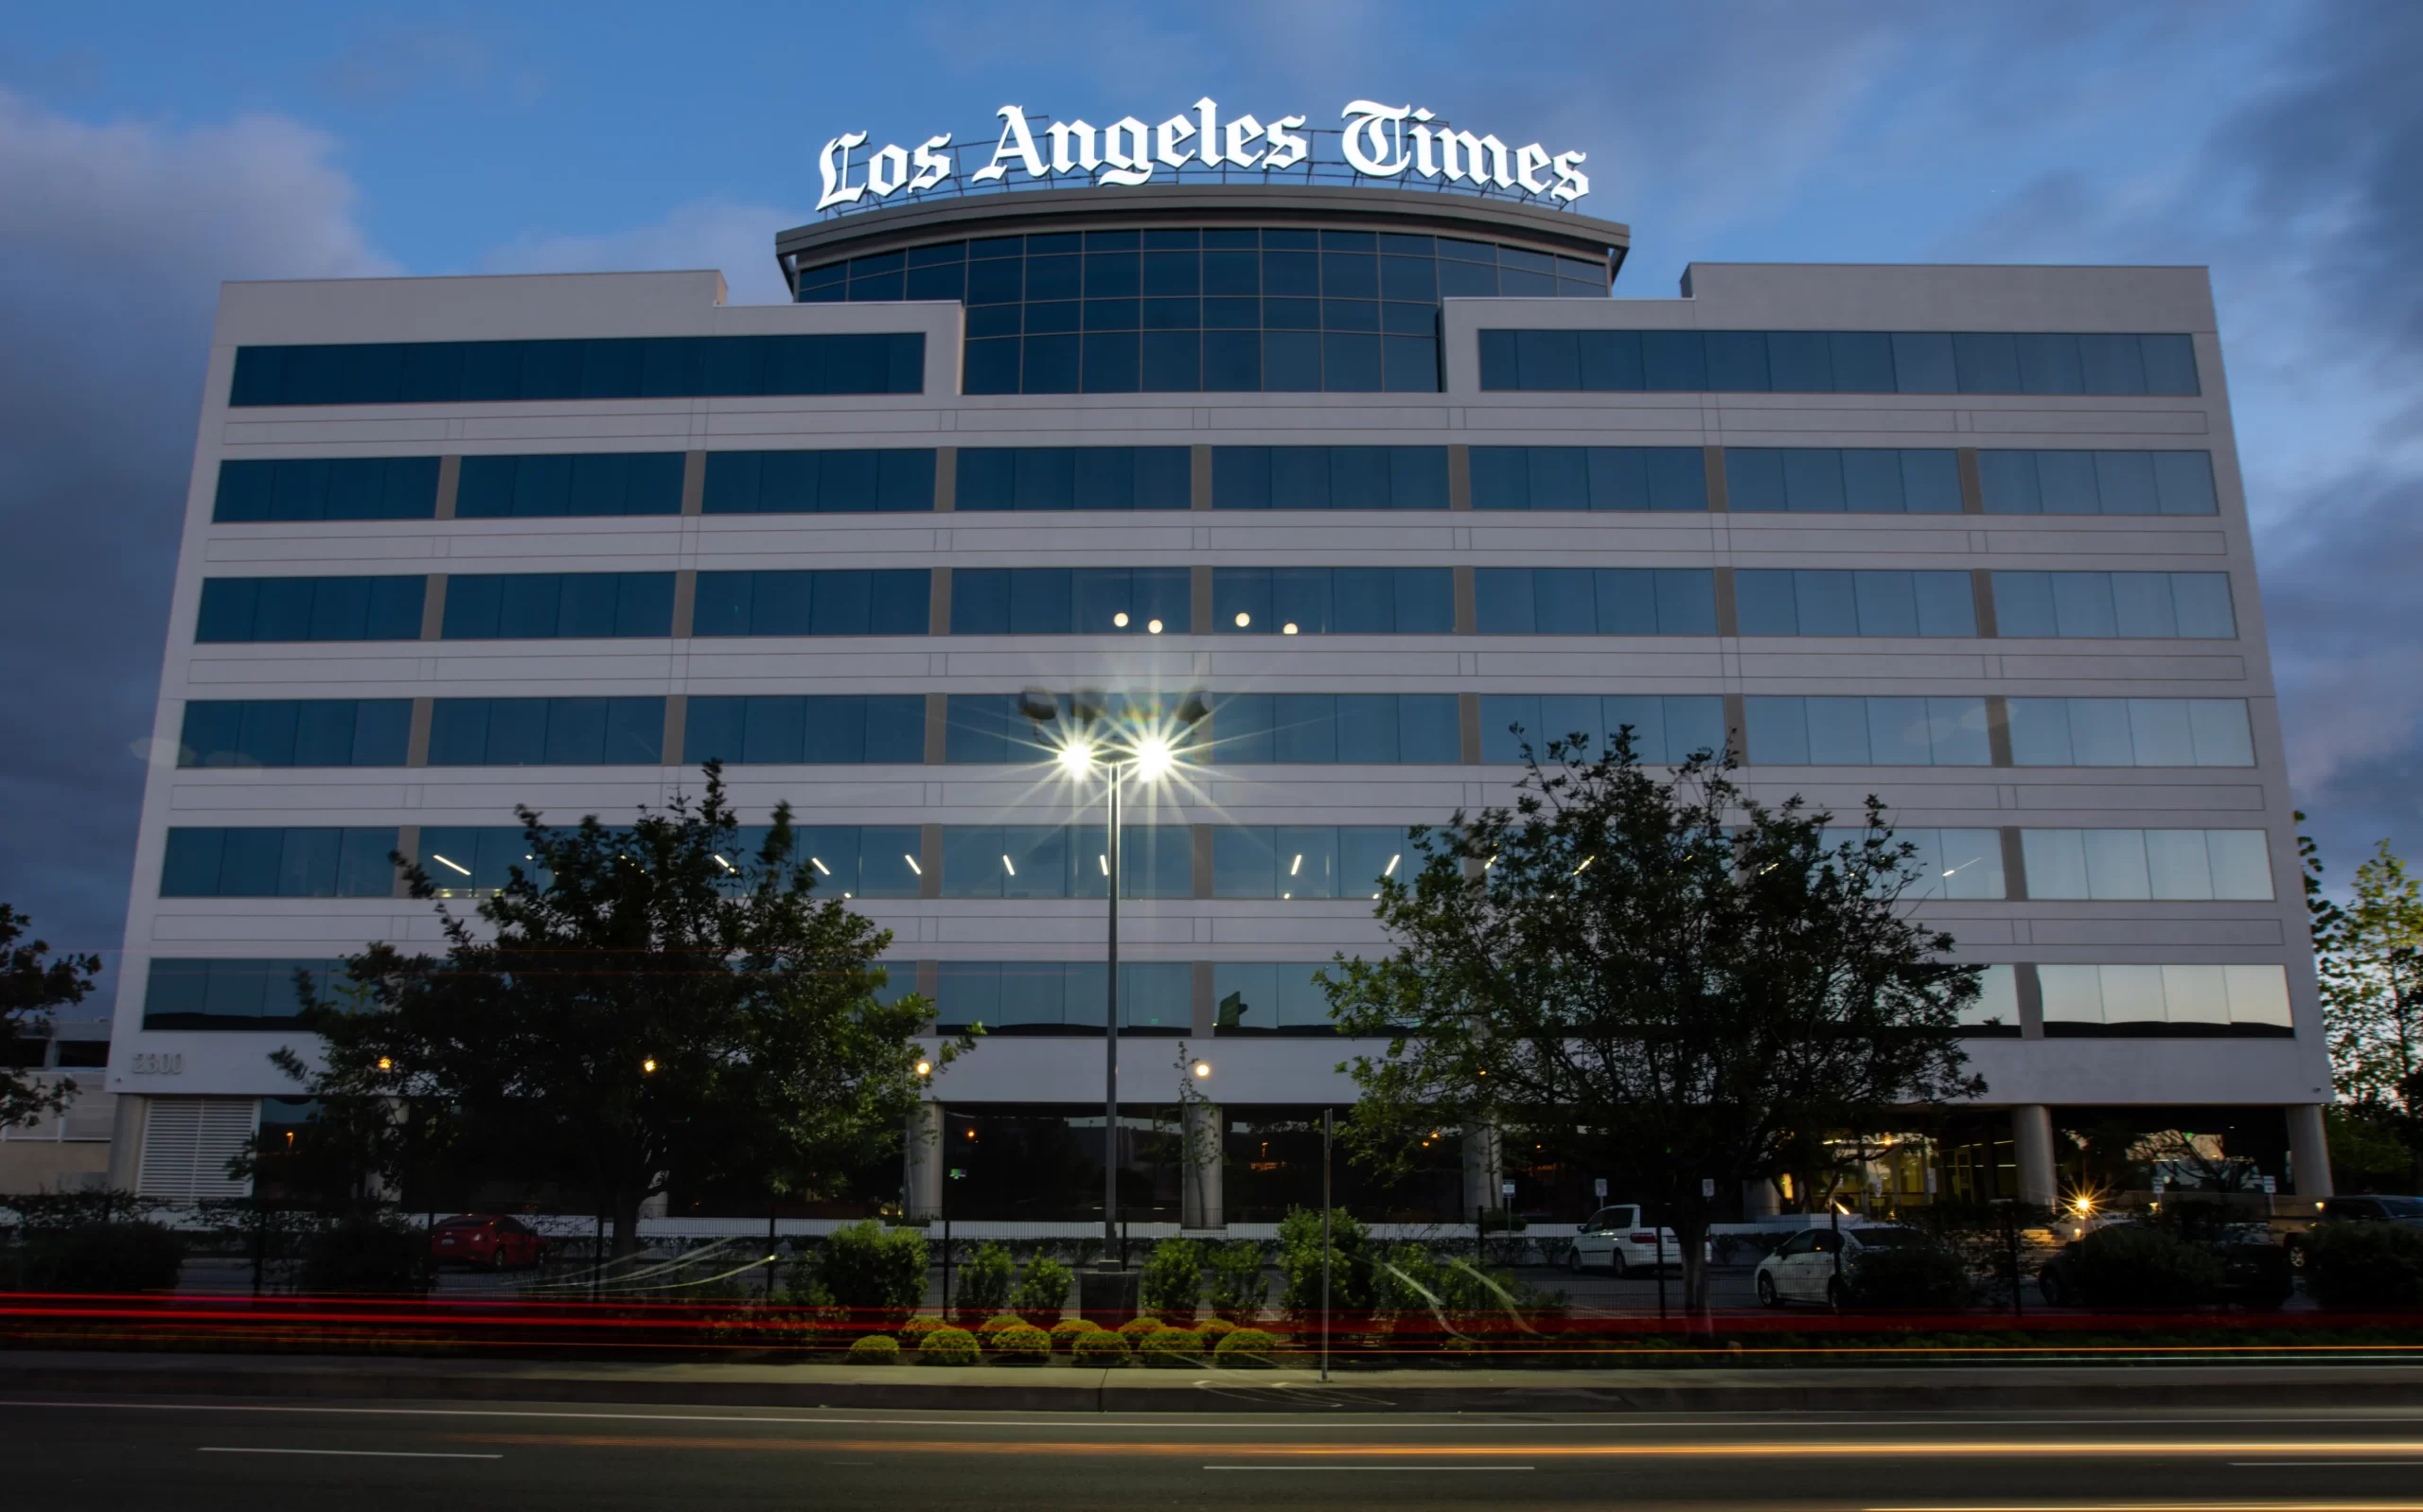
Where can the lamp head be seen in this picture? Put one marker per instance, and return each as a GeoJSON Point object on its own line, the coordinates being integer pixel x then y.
{"type": "Point", "coordinates": [1152, 758]}
{"type": "Point", "coordinates": [1038, 705]}
{"type": "Point", "coordinates": [1192, 710]}
{"type": "Point", "coordinates": [1076, 758]}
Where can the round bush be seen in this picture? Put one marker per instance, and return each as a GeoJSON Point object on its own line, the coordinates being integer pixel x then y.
{"type": "Point", "coordinates": [1246, 1349]}
{"type": "Point", "coordinates": [994, 1327]}
{"type": "Point", "coordinates": [875, 1349]}
{"type": "Point", "coordinates": [2132, 1267]}
{"type": "Point", "coordinates": [947, 1347]}
{"type": "Point", "coordinates": [1214, 1329]}
{"type": "Point", "coordinates": [1065, 1335]}
{"type": "Point", "coordinates": [2365, 1267]}
{"type": "Point", "coordinates": [913, 1332]}
{"type": "Point", "coordinates": [1020, 1344]}
{"type": "Point", "coordinates": [1171, 1348]}
{"type": "Point", "coordinates": [1138, 1326]}
{"type": "Point", "coordinates": [1100, 1347]}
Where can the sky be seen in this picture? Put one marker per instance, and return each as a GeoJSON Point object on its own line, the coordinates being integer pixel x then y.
{"type": "Point", "coordinates": [148, 151]}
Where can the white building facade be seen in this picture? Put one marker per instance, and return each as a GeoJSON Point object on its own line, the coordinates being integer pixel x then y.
{"type": "Point", "coordinates": [1378, 473]}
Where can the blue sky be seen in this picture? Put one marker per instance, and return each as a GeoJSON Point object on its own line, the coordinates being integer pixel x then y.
{"type": "Point", "coordinates": [148, 151]}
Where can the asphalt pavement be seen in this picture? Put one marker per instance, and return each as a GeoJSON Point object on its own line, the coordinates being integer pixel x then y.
{"type": "Point", "coordinates": [368, 1457]}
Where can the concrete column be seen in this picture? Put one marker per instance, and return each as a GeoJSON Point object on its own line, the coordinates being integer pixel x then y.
{"type": "Point", "coordinates": [1760, 1198]}
{"type": "Point", "coordinates": [126, 1141]}
{"type": "Point", "coordinates": [921, 1185]}
{"type": "Point", "coordinates": [1202, 1205]}
{"type": "Point", "coordinates": [2308, 1150]}
{"type": "Point", "coordinates": [1484, 1161]}
{"type": "Point", "coordinates": [2031, 1133]}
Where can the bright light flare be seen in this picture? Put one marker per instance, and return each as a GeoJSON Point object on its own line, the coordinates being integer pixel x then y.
{"type": "Point", "coordinates": [924, 1067]}
{"type": "Point", "coordinates": [1154, 758]}
{"type": "Point", "coordinates": [1202, 1069]}
{"type": "Point", "coordinates": [1076, 758]}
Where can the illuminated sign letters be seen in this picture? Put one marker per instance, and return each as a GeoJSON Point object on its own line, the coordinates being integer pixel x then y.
{"type": "Point", "coordinates": [1380, 142]}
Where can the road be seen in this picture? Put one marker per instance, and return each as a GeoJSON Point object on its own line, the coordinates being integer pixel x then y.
{"type": "Point", "coordinates": [370, 1456]}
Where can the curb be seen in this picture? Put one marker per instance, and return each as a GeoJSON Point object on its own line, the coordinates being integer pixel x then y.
{"type": "Point", "coordinates": [1061, 1389]}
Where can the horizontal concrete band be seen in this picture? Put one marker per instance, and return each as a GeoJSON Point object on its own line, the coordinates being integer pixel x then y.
{"type": "Point", "coordinates": [1133, 1390]}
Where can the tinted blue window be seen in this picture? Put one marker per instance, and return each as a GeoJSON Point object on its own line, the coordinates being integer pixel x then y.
{"type": "Point", "coordinates": [1320, 728]}
{"type": "Point", "coordinates": [1666, 729]}
{"type": "Point", "coordinates": [1053, 861]}
{"type": "Point", "coordinates": [1070, 600]}
{"type": "Point", "coordinates": [1601, 600]}
{"type": "Point", "coordinates": [2157, 606]}
{"type": "Point", "coordinates": [278, 863]}
{"type": "Point", "coordinates": [1329, 476]}
{"type": "Point", "coordinates": [2097, 483]}
{"type": "Point", "coordinates": [551, 731]}
{"type": "Point", "coordinates": [327, 489]}
{"type": "Point", "coordinates": [1598, 478]}
{"type": "Point", "coordinates": [1834, 361]}
{"type": "Point", "coordinates": [558, 606]}
{"type": "Point", "coordinates": [1834, 603]}
{"type": "Point", "coordinates": [1088, 477]}
{"type": "Point", "coordinates": [885, 601]}
{"type": "Point", "coordinates": [1326, 600]}
{"type": "Point", "coordinates": [539, 486]}
{"type": "Point", "coordinates": [1826, 480]}
{"type": "Point", "coordinates": [828, 729]}
{"type": "Point", "coordinates": [296, 732]}
{"type": "Point", "coordinates": [310, 608]}
{"type": "Point", "coordinates": [1306, 861]}
{"type": "Point", "coordinates": [607, 368]}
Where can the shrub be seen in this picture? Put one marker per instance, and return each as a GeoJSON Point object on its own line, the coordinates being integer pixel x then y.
{"type": "Point", "coordinates": [1300, 1262]}
{"type": "Point", "coordinates": [947, 1347]}
{"type": "Point", "coordinates": [995, 1325]}
{"type": "Point", "coordinates": [1173, 1349]}
{"type": "Point", "coordinates": [1925, 1276]}
{"type": "Point", "coordinates": [1246, 1349]}
{"type": "Point", "coordinates": [1100, 1347]}
{"type": "Point", "coordinates": [1065, 1335]}
{"type": "Point", "coordinates": [875, 1349]}
{"type": "Point", "coordinates": [1138, 1325]}
{"type": "Point", "coordinates": [2365, 1267]}
{"type": "Point", "coordinates": [1234, 1282]}
{"type": "Point", "coordinates": [1171, 1282]}
{"type": "Point", "coordinates": [913, 1332]}
{"type": "Point", "coordinates": [2134, 1267]}
{"type": "Point", "coordinates": [1020, 1344]}
{"type": "Point", "coordinates": [101, 1257]}
{"type": "Point", "coordinates": [1214, 1329]}
{"type": "Point", "coordinates": [983, 1287]}
{"type": "Point", "coordinates": [1042, 1291]}
{"type": "Point", "coordinates": [365, 1255]}
{"type": "Point", "coordinates": [878, 1274]}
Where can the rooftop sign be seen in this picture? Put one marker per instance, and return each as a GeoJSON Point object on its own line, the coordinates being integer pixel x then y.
{"type": "Point", "coordinates": [1378, 143]}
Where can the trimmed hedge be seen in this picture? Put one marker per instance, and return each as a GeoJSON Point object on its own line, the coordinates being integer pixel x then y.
{"type": "Point", "coordinates": [1100, 1347]}
{"type": "Point", "coordinates": [1138, 1326]}
{"type": "Point", "coordinates": [1214, 1329]}
{"type": "Point", "coordinates": [98, 1258]}
{"type": "Point", "coordinates": [2142, 1269]}
{"type": "Point", "coordinates": [1171, 1348]}
{"type": "Point", "coordinates": [913, 1332]}
{"type": "Point", "coordinates": [1246, 1349]}
{"type": "Point", "coordinates": [947, 1347]}
{"type": "Point", "coordinates": [1065, 1335]}
{"type": "Point", "coordinates": [1021, 1344]}
{"type": "Point", "coordinates": [2365, 1267]}
{"type": "Point", "coordinates": [994, 1327]}
{"type": "Point", "coordinates": [875, 1349]}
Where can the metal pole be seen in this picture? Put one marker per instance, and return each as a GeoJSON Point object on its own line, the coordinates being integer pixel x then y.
{"type": "Point", "coordinates": [1325, 1138]}
{"type": "Point", "coordinates": [1112, 1250]}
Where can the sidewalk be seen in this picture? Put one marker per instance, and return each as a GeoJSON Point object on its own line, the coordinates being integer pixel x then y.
{"type": "Point", "coordinates": [1055, 1389]}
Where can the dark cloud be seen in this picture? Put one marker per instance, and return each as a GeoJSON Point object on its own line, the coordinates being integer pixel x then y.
{"type": "Point", "coordinates": [110, 255]}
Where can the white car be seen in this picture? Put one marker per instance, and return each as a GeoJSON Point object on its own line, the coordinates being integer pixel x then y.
{"type": "Point", "coordinates": [1803, 1268]}
{"type": "Point", "coordinates": [1617, 1241]}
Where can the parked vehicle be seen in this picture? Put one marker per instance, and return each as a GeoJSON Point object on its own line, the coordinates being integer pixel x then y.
{"type": "Point", "coordinates": [492, 1240]}
{"type": "Point", "coordinates": [1804, 1268]}
{"type": "Point", "coordinates": [2405, 1211]}
{"type": "Point", "coordinates": [2255, 1273]}
{"type": "Point", "coordinates": [1619, 1241]}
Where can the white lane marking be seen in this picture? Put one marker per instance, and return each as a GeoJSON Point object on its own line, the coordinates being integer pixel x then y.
{"type": "Point", "coordinates": [1241, 1421]}
{"type": "Point", "coordinates": [346, 1454]}
{"type": "Point", "coordinates": [2282, 1464]}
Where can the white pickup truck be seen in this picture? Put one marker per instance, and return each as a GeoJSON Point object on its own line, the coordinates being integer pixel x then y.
{"type": "Point", "coordinates": [1615, 1240]}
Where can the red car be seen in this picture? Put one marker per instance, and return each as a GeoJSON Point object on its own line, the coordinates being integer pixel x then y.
{"type": "Point", "coordinates": [492, 1240]}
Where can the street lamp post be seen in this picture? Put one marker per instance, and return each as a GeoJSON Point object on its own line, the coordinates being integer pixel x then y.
{"type": "Point", "coordinates": [1150, 753]}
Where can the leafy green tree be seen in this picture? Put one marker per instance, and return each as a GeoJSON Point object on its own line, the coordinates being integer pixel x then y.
{"type": "Point", "coordinates": [1660, 974]}
{"type": "Point", "coordinates": [32, 982]}
{"type": "Point", "coordinates": [2369, 956]}
{"type": "Point", "coordinates": [652, 1002]}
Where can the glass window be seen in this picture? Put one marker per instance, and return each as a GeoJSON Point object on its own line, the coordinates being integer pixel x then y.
{"type": "Point", "coordinates": [596, 368]}
{"type": "Point", "coordinates": [310, 608]}
{"type": "Point", "coordinates": [1817, 480]}
{"type": "Point", "coordinates": [278, 863]}
{"type": "Point", "coordinates": [1834, 603]}
{"type": "Point", "coordinates": [865, 482]}
{"type": "Point", "coordinates": [1333, 600]}
{"type": "Point", "coordinates": [1666, 729]}
{"type": "Point", "coordinates": [540, 486]}
{"type": "Point", "coordinates": [553, 605]}
{"type": "Point", "coordinates": [2181, 865]}
{"type": "Point", "coordinates": [1049, 997]}
{"type": "Point", "coordinates": [2131, 732]}
{"type": "Point", "coordinates": [1595, 478]}
{"type": "Point", "coordinates": [227, 994]}
{"type": "Point", "coordinates": [1265, 997]}
{"type": "Point", "coordinates": [548, 731]}
{"type": "Point", "coordinates": [1293, 861]}
{"type": "Point", "coordinates": [324, 489]}
{"type": "Point", "coordinates": [1065, 861]}
{"type": "Point", "coordinates": [1057, 478]}
{"type": "Point", "coordinates": [2097, 483]}
{"type": "Point", "coordinates": [2147, 1001]}
{"type": "Point", "coordinates": [844, 601]}
{"type": "Point", "coordinates": [1329, 476]}
{"type": "Point", "coordinates": [1320, 728]}
{"type": "Point", "coordinates": [2160, 605]}
{"type": "Point", "coordinates": [1594, 601]}
{"type": "Point", "coordinates": [296, 732]}
{"type": "Point", "coordinates": [805, 729]}
{"type": "Point", "coordinates": [1070, 601]}
{"type": "Point", "coordinates": [1868, 732]}
{"type": "Point", "coordinates": [1824, 362]}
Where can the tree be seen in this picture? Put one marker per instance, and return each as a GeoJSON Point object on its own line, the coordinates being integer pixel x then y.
{"type": "Point", "coordinates": [655, 1002]}
{"type": "Point", "coordinates": [1658, 975]}
{"type": "Point", "coordinates": [2369, 956]}
{"type": "Point", "coordinates": [32, 982]}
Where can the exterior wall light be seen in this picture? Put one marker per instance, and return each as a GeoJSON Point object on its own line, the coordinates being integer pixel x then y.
{"type": "Point", "coordinates": [1202, 1070]}
{"type": "Point", "coordinates": [924, 1067]}
{"type": "Point", "coordinates": [648, 1068]}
